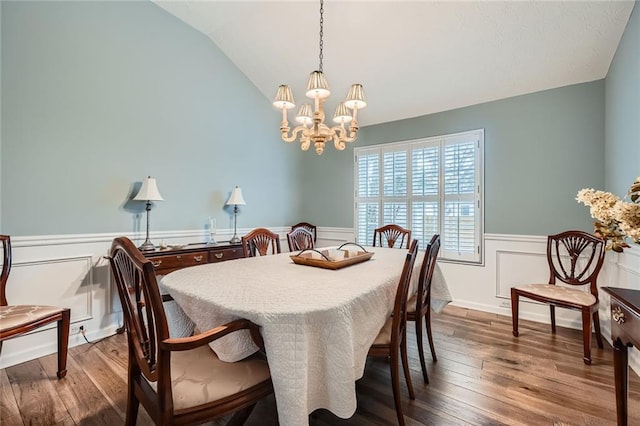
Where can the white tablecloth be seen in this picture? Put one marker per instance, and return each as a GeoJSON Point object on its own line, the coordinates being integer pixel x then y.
{"type": "Point", "coordinates": [317, 324]}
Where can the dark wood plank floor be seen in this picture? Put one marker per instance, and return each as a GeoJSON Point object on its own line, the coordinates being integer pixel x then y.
{"type": "Point", "coordinates": [483, 376]}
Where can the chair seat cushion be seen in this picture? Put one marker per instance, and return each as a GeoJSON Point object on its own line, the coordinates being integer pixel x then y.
{"type": "Point", "coordinates": [561, 293]}
{"type": "Point", "coordinates": [411, 304]}
{"type": "Point", "coordinates": [14, 316]}
{"type": "Point", "coordinates": [384, 336]}
{"type": "Point", "coordinates": [198, 376]}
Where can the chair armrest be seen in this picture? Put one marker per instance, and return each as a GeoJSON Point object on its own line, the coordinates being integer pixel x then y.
{"type": "Point", "coordinates": [191, 342]}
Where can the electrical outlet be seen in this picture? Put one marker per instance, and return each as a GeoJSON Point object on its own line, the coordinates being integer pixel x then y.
{"type": "Point", "coordinates": [76, 329]}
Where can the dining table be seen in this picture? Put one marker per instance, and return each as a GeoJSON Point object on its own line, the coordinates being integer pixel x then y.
{"type": "Point", "coordinates": [317, 324]}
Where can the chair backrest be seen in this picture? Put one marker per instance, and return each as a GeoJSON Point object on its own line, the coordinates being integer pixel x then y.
{"type": "Point", "coordinates": [575, 258]}
{"type": "Point", "coordinates": [309, 227]}
{"type": "Point", "coordinates": [391, 233]}
{"type": "Point", "coordinates": [6, 268]}
{"type": "Point", "coordinates": [426, 273]}
{"type": "Point", "coordinates": [258, 241]}
{"type": "Point", "coordinates": [399, 321]}
{"type": "Point", "coordinates": [300, 239]}
{"type": "Point", "coordinates": [142, 307]}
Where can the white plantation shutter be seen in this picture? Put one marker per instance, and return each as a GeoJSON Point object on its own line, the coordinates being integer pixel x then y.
{"type": "Point", "coordinates": [369, 175]}
{"type": "Point", "coordinates": [368, 219]}
{"type": "Point", "coordinates": [395, 212]}
{"type": "Point", "coordinates": [395, 173]}
{"type": "Point", "coordinates": [394, 178]}
{"type": "Point", "coordinates": [424, 221]}
{"type": "Point", "coordinates": [430, 186]}
{"type": "Point", "coordinates": [425, 170]}
{"type": "Point", "coordinates": [367, 194]}
{"type": "Point", "coordinates": [460, 190]}
{"type": "Point", "coordinates": [458, 235]}
{"type": "Point", "coordinates": [425, 191]}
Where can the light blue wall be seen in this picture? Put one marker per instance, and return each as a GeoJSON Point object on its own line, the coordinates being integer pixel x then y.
{"type": "Point", "coordinates": [540, 149]}
{"type": "Point", "coordinates": [97, 95]}
{"type": "Point", "coordinates": [622, 115]}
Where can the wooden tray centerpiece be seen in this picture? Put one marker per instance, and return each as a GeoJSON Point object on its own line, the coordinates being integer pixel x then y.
{"type": "Point", "coordinates": [332, 258]}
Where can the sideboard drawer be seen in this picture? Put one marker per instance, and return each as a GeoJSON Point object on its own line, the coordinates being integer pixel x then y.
{"type": "Point", "coordinates": [225, 254]}
{"type": "Point", "coordinates": [177, 261]}
{"type": "Point", "coordinates": [625, 324]}
{"type": "Point", "coordinates": [166, 261]}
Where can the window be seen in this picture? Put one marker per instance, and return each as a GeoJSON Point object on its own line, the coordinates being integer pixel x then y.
{"type": "Point", "coordinates": [430, 186]}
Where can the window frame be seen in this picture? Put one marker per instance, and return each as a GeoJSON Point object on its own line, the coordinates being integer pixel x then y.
{"type": "Point", "coordinates": [440, 141]}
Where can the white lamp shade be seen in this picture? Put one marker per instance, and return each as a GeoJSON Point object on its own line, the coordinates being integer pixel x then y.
{"type": "Point", "coordinates": [236, 198]}
{"type": "Point", "coordinates": [355, 97]}
{"type": "Point", "coordinates": [284, 98]}
{"type": "Point", "coordinates": [342, 114]}
{"type": "Point", "coordinates": [305, 116]}
{"type": "Point", "coordinates": [149, 191]}
{"type": "Point", "coordinates": [317, 86]}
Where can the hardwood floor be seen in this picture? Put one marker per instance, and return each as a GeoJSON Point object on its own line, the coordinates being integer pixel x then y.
{"type": "Point", "coordinates": [483, 376]}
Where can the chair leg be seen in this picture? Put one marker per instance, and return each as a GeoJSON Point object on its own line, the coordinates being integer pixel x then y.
{"type": "Point", "coordinates": [423, 365]}
{"type": "Point", "coordinates": [63, 342]}
{"type": "Point", "coordinates": [395, 384]}
{"type": "Point", "coordinates": [405, 366]}
{"type": "Point", "coordinates": [132, 407]}
{"type": "Point", "coordinates": [514, 311]}
{"type": "Point", "coordinates": [596, 326]}
{"type": "Point", "coordinates": [552, 310]}
{"type": "Point", "coordinates": [131, 416]}
{"type": "Point", "coordinates": [429, 335]}
{"type": "Point", "coordinates": [586, 336]}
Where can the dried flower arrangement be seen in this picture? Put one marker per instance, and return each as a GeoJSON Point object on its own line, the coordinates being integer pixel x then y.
{"type": "Point", "coordinates": [616, 219]}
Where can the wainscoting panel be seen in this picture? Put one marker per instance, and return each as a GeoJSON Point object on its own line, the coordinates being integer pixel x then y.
{"type": "Point", "coordinates": [30, 283]}
{"type": "Point", "coordinates": [514, 268]}
{"type": "Point", "coordinates": [70, 270]}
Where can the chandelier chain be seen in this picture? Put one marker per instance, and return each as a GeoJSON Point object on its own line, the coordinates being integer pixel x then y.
{"type": "Point", "coordinates": [321, 32]}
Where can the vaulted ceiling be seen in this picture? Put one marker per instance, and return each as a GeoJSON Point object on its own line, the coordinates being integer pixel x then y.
{"type": "Point", "coordinates": [414, 57]}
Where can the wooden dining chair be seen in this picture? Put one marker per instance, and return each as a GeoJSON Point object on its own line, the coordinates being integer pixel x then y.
{"type": "Point", "coordinates": [309, 227]}
{"type": "Point", "coordinates": [258, 241]}
{"type": "Point", "coordinates": [419, 306]}
{"type": "Point", "coordinates": [393, 335]}
{"type": "Point", "coordinates": [575, 258]}
{"type": "Point", "coordinates": [300, 239]}
{"type": "Point", "coordinates": [391, 233]}
{"type": "Point", "coordinates": [179, 380]}
{"type": "Point", "coordinates": [16, 320]}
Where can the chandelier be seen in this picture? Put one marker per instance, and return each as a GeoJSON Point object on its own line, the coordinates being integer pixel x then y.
{"type": "Point", "coordinates": [312, 126]}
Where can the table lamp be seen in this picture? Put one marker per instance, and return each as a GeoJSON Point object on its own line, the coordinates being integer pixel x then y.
{"type": "Point", "coordinates": [148, 192]}
{"type": "Point", "coordinates": [235, 200]}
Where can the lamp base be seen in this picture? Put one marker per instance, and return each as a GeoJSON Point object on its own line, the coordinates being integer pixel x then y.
{"type": "Point", "coordinates": [235, 240]}
{"type": "Point", "coordinates": [147, 246]}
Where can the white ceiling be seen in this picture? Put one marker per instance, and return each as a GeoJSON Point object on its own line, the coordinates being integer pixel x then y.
{"type": "Point", "coordinates": [414, 57]}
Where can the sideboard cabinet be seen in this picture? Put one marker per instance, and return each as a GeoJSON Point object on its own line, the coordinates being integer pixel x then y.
{"type": "Point", "coordinates": [171, 259]}
{"type": "Point", "coordinates": [625, 333]}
